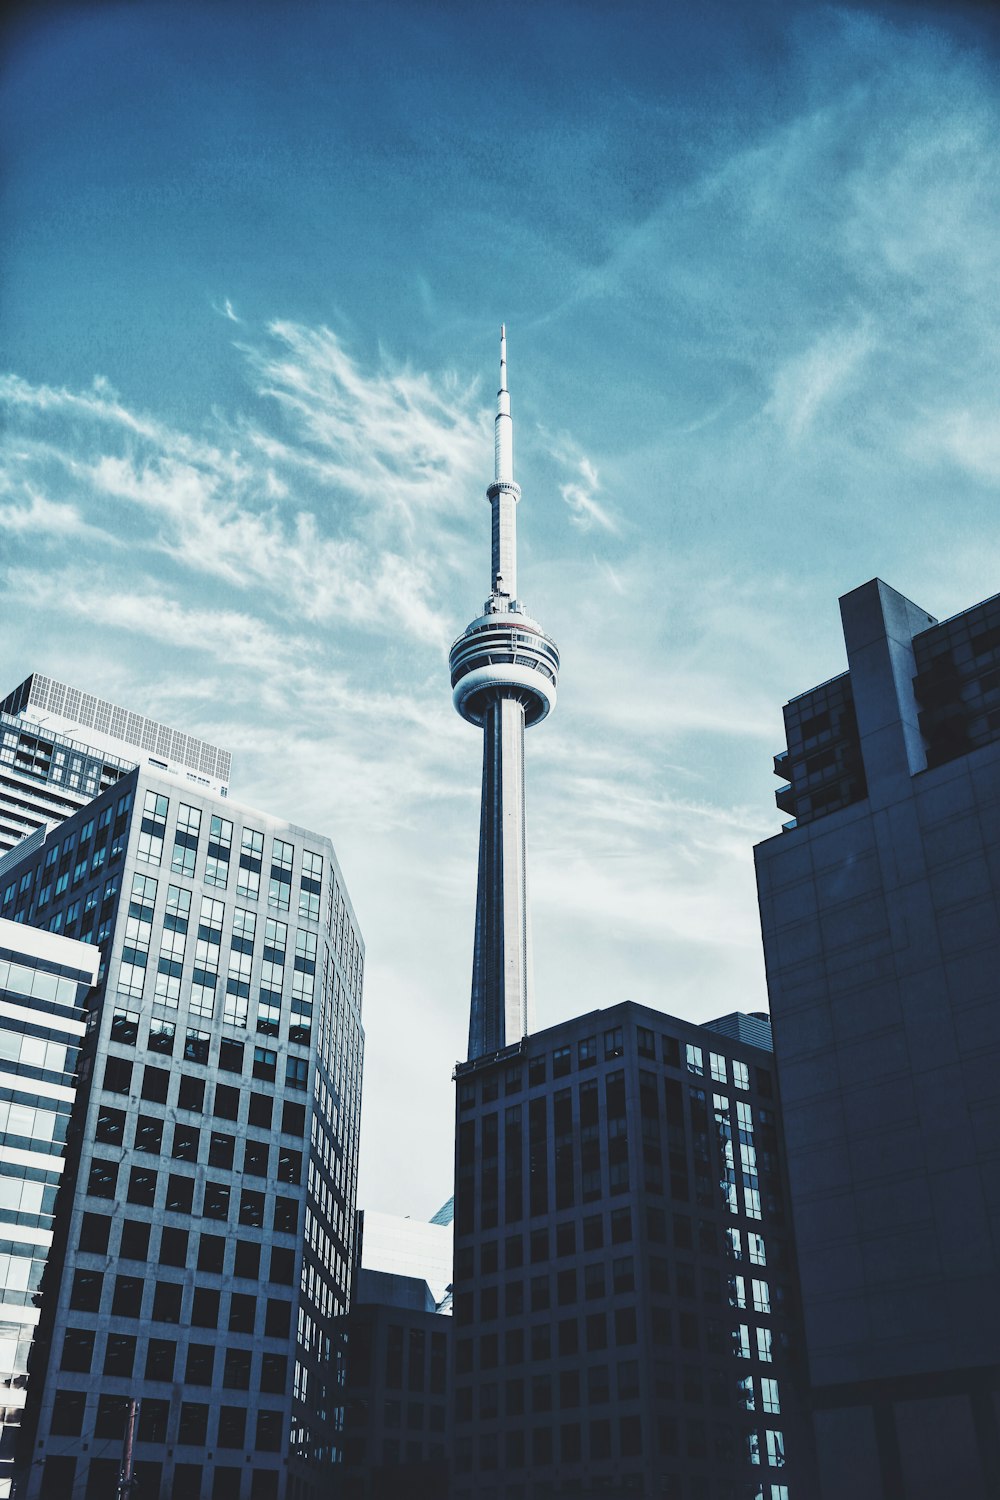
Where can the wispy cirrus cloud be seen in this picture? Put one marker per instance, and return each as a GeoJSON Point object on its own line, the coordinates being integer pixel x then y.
{"type": "Point", "coordinates": [318, 512]}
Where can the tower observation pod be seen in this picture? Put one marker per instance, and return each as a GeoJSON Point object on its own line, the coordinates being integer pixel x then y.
{"type": "Point", "coordinates": [503, 677]}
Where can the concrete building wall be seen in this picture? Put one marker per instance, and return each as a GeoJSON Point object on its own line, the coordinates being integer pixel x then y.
{"type": "Point", "coordinates": [882, 941]}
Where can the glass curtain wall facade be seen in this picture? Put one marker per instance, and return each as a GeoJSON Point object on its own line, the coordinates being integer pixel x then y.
{"type": "Point", "coordinates": [44, 982]}
{"type": "Point", "coordinates": [624, 1279]}
{"type": "Point", "coordinates": [208, 1234]}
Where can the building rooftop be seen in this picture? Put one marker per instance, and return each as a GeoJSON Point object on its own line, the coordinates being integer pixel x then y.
{"type": "Point", "coordinates": [64, 710]}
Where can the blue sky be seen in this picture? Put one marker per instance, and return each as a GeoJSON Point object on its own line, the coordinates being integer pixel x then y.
{"type": "Point", "coordinates": [255, 258]}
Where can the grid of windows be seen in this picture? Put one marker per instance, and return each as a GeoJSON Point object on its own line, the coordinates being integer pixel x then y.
{"type": "Point", "coordinates": [250, 1133]}
{"type": "Point", "coordinates": [612, 1230]}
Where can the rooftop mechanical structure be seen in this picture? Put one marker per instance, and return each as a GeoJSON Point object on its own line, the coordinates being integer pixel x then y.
{"type": "Point", "coordinates": [504, 670]}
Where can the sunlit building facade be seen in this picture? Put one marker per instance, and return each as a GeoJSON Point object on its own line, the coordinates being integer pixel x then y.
{"type": "Point", "coordinates": [44, 982]}
{"type": "Point", "coordinates": [208, 1219]}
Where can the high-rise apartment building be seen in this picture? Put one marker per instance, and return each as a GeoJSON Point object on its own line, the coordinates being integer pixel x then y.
{"type": "Point", "coordinates": [625, 1300]}
{"type": "Point", "coordinates": [60, 747]}
{"type": "Point", "coordinates": [44, 982]}
{"type": "Point", "coordinates": [205, 1231]}
{"type": "Point", "coordinates": [879, 909]}
{"type": "Point", "coordinates": [503, 676]}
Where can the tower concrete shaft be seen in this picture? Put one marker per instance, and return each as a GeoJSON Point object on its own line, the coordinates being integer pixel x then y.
{"type": "Point", "coordinates": [503, 674]}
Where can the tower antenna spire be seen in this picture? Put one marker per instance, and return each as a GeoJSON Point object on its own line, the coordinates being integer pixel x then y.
{"type": "Point", "coordinates": [503, 446]}
{"type": "Point", "coordinates": [503, 677]}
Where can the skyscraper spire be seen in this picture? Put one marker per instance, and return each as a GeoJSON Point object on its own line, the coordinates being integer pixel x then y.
{"type": "Point", "coordinates": [503, 676]}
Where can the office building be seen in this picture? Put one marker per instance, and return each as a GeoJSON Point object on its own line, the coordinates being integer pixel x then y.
{"type": "Point", "coordinates": [60, 747]}
{"type": "Point", "coordinates": [207, 1217]}
{"type": "Point", "coordinates": [44, 982]}
{"type": "Point", "coordinates": [397, 1430]}
{"type": "Point", "coordinates": [624, 1281]}
{"type": "Point", "coordinates": [503, 676]}
{"type": "Point", "coordinates": [882, 939]}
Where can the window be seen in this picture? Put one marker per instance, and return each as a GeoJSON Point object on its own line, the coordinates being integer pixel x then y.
{"type": "Point", "coordinates": [220, 1150]}
{"type": "Point", "coordinates": [279, 888]}
{"type": "Point", "coordinates": [593, 1232]}
{"type": "Point", "coordinates": [148, 1135]}
{"type": "Point", "coordinates": [242, 1313]}
{"type": "Point", "coordinates": [191, 1094]}
{"type": "Point", "coordinates": [220, 841]}
{"type": "Point", "coordinates": [614, 1043]}
{"type": "Point", "coordinates": [247, 1260]}
{"type": "Point", "coordinates": [694, 1059]}
{"type": "Point", "coordinates": [186, 840]}
{"type": "Point", "coordinates": [623, 1274]}
{"type": "Point", "coordinates": [125, 1027]}
{"type": "Point", "coordinates": [160, 1359]}
{"type": "Point", "coordinates": [755, 1243]}
{"type": "Point", "coordinates": [110, 1421]}
{"type": "Point", "coordinates": [764, 1351]}
{"type": "Point", "coordinates": [251, 854]}
{"type": "Point", "coordinates": [717, 1067]}
{"type": "Point", "coordinates": [216, 1203]}
{"type": "Point", "coordinates": [311, 885]}
{"type": "Point", "coordinates": [127, 1299]}
{"type": "Point", "coordinates": [236, 1370]}
{"type": "Point", "coordinates": [78, 1350]}
{"type": "Point", "coordinates": [212, 1253]}
{"type": "Point", "coordinates": [152, 1428]}
{"type": "Point", "coordinates": [282, 1265]}
{"type": "Point", "coordinates": [103, 1180]}
{"type": "Point", "coordinates": [261, 1106]}
{"type": "Point", "coordinates": [142, 1186]}
{"type": "Point", "coordinates": [252, 1209]}
{"type": "Point", "coordinates": [95, 1232]}
{"type": "Point", "coordinates": [232, 1426]}
{"type": "Point", "coordinates": [264, 1064]}
{"type": "Point", "coordinates": [117, 1075]}
{"type": "Point", "coordinates": [761, 1296]}
{"type": "Point", "coordinates": [227, 1102]}
{"type": "Point", "coordinates": [134, 1241]}
{"type": "Point", "coordinates": [200, 1364]}
{"type": "Point", "coordinates": [180, 1194]}
{"type": "Point", "coordinates": [561, 1062]}
{"type": "Point", "coordinates": [277, 1318]}
{"type": "Point", "coordinates": [296, 1073]}
{"type": "Point", "coordinates": [274, 1374]}
{"type": "Point", "coordinates": [741, 1076]}
{"type": "Point", "coordinates": [193, 1428]}
{"type": "Point", "coordinates": [205, 1308]}
{"type": "Point", "coordinates": [161, 1036]}
{"type": "Point", "coordinates": [621, 1225]}
{"type": "Point", "coordinates": [625, 1325]}
{"type": "Point", "coordinates": [167, 1298]}
{"type": "Point", "coordinates": [152, 828]}
{"type": "Point", "coordinates": [255, 1158]}
{"type": "Point", "coordinates": [185, 1143]}
{"type": "Point", "coordinates": [173, 1247]}
{"type": "Point", "coordinates": [231, 1056]}
{"type": "Point", "coordinates": [769, 1395]}
{"type": "Point", "coordinates": [155, 1084]}
{"type": "Point", "coordinates": [119, 1355]}
{"type": "Point", "coordinates": [587, 1052]}
{"type": "Point", "coordinates": [593, 1281]}
{"type": "Point", "coordinates": [196, 1046]}
{"type": "Point", "coordinates": [286, 1215]}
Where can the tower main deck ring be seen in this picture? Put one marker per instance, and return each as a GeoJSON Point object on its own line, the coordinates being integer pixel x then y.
{"type": "Point", "coordinates": [504, 656]}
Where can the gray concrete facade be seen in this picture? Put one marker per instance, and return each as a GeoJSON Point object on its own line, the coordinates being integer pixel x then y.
{"type": "Point", "coordinates": [879, 911]}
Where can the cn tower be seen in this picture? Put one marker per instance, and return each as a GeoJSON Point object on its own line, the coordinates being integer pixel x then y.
{"type": "Point", "coordinates": [503, 677]}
